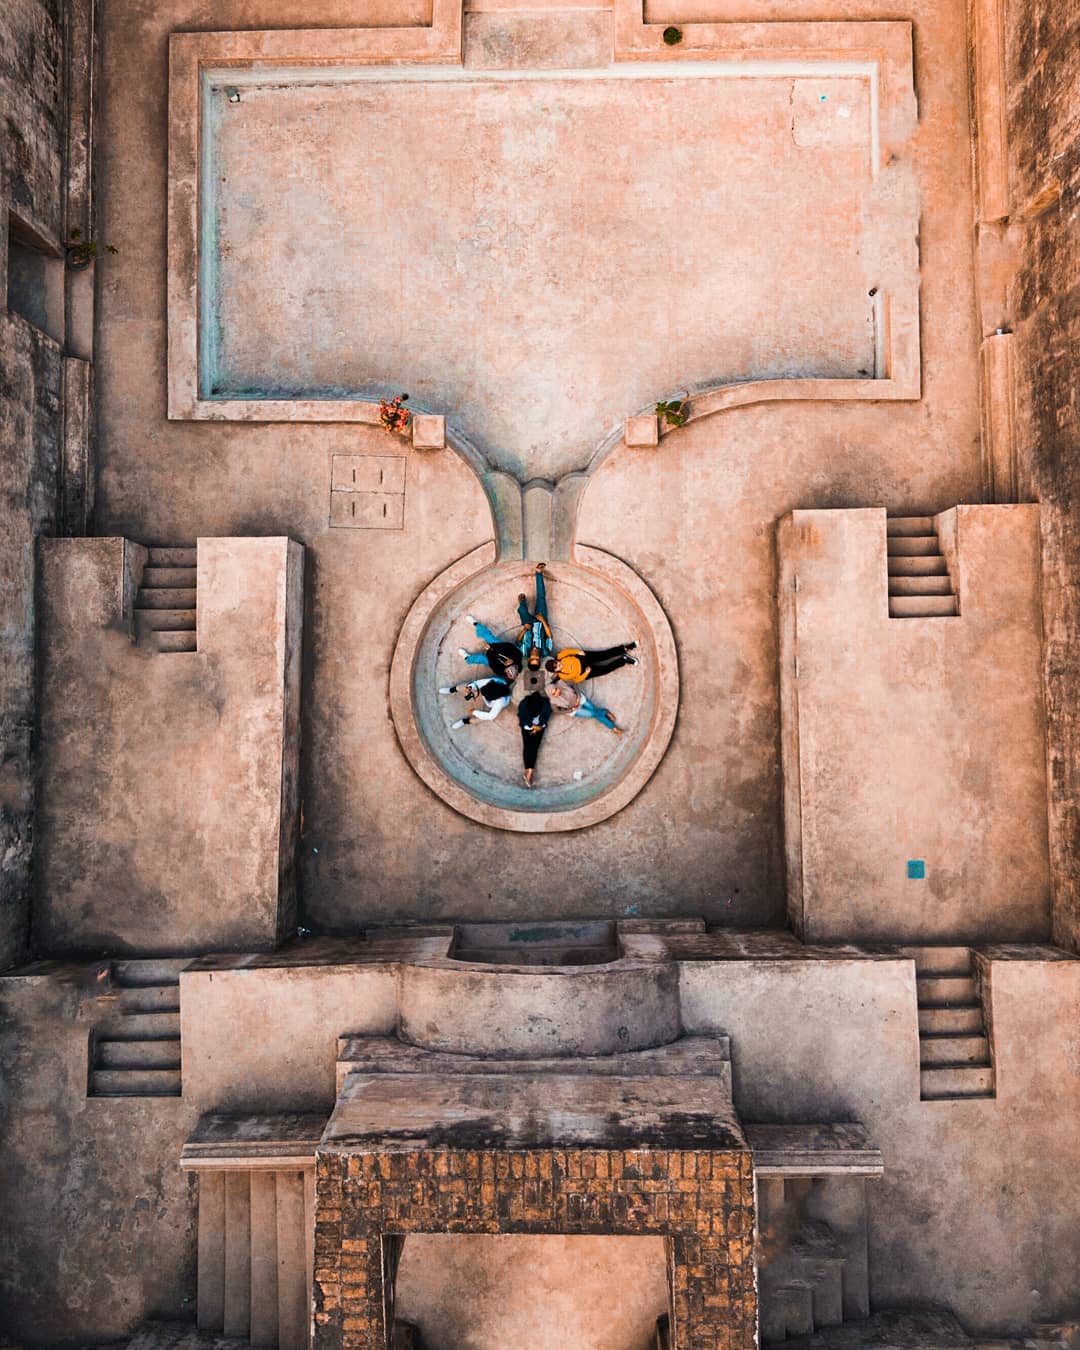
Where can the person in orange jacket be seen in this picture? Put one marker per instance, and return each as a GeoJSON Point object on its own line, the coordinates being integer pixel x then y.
{"type": "Point", "coordinates": [576, 665]}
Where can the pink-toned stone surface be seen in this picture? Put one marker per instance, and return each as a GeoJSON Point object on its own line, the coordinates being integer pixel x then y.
{"type": "Point", "coordinates": [168, 780]}
{"type": "Point", "coordinates": [470, 268]}
{"type": "Point", "coordinates": [696, 520]}
{"type": "Point", "coordinates": [533, 1289]}
{"type": "Point", "coordinates": [912, 738]}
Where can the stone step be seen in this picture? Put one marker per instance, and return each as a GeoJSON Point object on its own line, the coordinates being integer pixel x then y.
{"type": "Point", "coordinates": [176, 642]}
{"type": "Point", "coordinates": [165, 597]}
{"type": "Point", "coordinates": [796, 1306]}
{"type": "Point", "coordinates": [930, 566]}
{"type": "Point", "coordinates": [923, 607]}
{"type": "Point", "coordinates": [965, 1080]}
{"type": "Point", "coordinates": [908, 525]}
{"type": "Point", "coordinates": [155, 1054]}
{"type": "Point", "coordinates": [263, 1317]}
{"type": "Point", "coordinates": [150, 998]}
{"type": "Point", "coordinates": [945, 1050]}
{"type": "Point", "coordinates": [924, 585]}
{"type": "Point", "coordinates": [913, 546]}
{"type": "Point", "coordinates": [134, 1083]}
{"type": "Point", "coordinates": [940, 960]}
{"type": "Point", "coordinates": [164, 620]}
{"type": "Point", "coordinates": [946, 990]}
{"type": "Point", "coordinates": [170, 578]}
{"type": "Point", "coordinates": [827, 1295]}
{"type": "Point", "coordinates": [172, 557]}
{"type": "Point", "coordinates": [136, 1026]}
{"type": "Point", "coordinates": [942, 1021]}
{"type": "Point", "coordinates": [140, 971]}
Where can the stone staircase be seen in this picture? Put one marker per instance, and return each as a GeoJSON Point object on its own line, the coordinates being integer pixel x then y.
{"type": "Point", "coordinates": [166, 604]}
{"type": "Point", "coordinates": [256, 1245]}
{"type": "Point", "coordinates": [809, 1279]}
{"type": "Point", "coordinates": [919, 583]}
{"type": "Point", "coordinates": [135, 1048]}
{"type": "Point", "coordinates": [954, 1048]}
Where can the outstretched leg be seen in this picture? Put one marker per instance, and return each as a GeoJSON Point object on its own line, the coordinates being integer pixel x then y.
{"type": "Point", "coordinates": [587, 709]}
{"type": "Point", "coordinates": [484, 633]}
{"type": "Point", "coordinates": [541, 594]}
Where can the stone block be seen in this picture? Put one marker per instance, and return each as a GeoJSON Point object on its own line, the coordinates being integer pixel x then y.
{"type": "Point", "coordinates": [428, 431]}
{"type": "Point", "coordinates": [643, 430]}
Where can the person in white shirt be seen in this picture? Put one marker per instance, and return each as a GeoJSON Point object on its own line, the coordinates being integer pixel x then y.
{"type": "Point", "coordinates": [490, 695]}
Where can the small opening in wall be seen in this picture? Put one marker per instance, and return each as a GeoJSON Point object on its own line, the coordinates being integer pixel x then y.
{"type": "Point", "coordinates": [35, 279]}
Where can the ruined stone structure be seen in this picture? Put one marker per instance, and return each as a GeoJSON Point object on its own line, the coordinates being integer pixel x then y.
{"type": "Point", "coordinates": [756, 1024]}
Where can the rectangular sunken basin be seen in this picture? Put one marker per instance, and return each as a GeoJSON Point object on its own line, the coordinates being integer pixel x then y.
{"type": "Point", "coordinates": [591, 943]}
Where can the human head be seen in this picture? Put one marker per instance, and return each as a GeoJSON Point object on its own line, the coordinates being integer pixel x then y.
{"type": "Point", "coordinates": [534, 658]}
{"type": "Point", "coordinates": [512, 670]}
{"type": "Point", "coordinates": [551, 664]}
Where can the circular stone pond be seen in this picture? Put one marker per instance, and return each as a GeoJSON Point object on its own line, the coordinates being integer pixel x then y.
{"type": "Point", "coordinates": [584, 773]}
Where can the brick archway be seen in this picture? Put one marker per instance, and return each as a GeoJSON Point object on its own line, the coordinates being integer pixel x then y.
{"type": "Point", "coordinates": [699, 1199]}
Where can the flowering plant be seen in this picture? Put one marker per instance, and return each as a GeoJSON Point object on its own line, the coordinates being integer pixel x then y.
{"type": "Point", "coordinates": [393, 415]}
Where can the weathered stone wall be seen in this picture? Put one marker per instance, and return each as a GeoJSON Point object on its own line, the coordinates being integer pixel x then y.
{"type": "Point", "coordinates": [701, 1201]}
{"type": "Point", "coordinates": [1042, 70]}
{"type": "Point", "coordinates": [167, 814]}
{"type": "Point", "coordinates": [32, 97]}
{"type": "Point", "coordinates": [30, 383]}
{"type": "Point", "coordinates": [90, 1185]}
{"type": "Point", "coordinates": [31, 121]}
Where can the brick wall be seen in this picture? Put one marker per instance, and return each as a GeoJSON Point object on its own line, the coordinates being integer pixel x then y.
{"type": "Point", "coordinates": [702, 1202]}
{"type": "Point", "coordinates": [1043, 77]}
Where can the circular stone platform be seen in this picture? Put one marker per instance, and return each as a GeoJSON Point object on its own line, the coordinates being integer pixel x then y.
{"type": "Point", "coordinates": [585, 773]}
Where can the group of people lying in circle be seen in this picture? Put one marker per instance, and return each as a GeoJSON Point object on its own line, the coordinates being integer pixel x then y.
{"type": "Point", "coordinates": [534, 650]}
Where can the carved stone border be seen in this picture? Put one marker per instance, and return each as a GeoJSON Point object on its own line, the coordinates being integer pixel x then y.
{"type": "Point", "coordinates": [189, 55]}
{"type": "Point", "coordinates": [879, 51]}
{"type": "Point", "coordinates": [454, 793]}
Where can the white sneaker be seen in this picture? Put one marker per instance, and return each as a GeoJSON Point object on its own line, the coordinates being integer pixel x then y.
{"type": "Point", "coordinates": [461, 722]}
{"type": "Point", "coordinates": [447, 688]}
{"type": "Point", "coordinates": [469, 619]}
{"type": "Point", "coordinates": [462, 652]}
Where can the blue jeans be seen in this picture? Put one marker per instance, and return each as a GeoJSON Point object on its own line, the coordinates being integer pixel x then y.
{"type": "Point", "coordinates": [537, 634]}
{"type": "Point", "coordinates": [587, 709]}
{"type": "Point", "coordinates": [484, 633]}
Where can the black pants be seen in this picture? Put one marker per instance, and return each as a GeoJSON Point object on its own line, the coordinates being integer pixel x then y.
{"type": "Point", "coordinates": [530, 746]}
{"type": "Point", "coordinates": [603, 663]}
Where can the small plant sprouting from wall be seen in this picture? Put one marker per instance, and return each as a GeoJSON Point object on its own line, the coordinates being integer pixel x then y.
{"type": "Point", "coordinates": [82, 252]}
{"type": "Point", "coordinates": [393, 415]}
{"type": "Point", "coordinates": [672, 36]}
{"type": "Point", "coordinates": [673, 411]}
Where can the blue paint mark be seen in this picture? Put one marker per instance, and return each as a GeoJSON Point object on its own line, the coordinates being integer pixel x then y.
{"type": "Point", "coordinates": [916, 869]}
{"type": "Point", "coordinates": [631, 909]}
{"type": "Point", "coordinates": [823, 97]}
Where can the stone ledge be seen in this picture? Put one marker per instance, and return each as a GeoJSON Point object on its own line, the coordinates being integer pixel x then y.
{"type": "Point", "coordinates": [814, 1151]}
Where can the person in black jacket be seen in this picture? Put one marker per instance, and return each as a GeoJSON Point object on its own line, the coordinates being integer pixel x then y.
{"type": "Point", "coordinates": [534, 713]}
{"type": "Point", "coordinates": [503, 659]}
